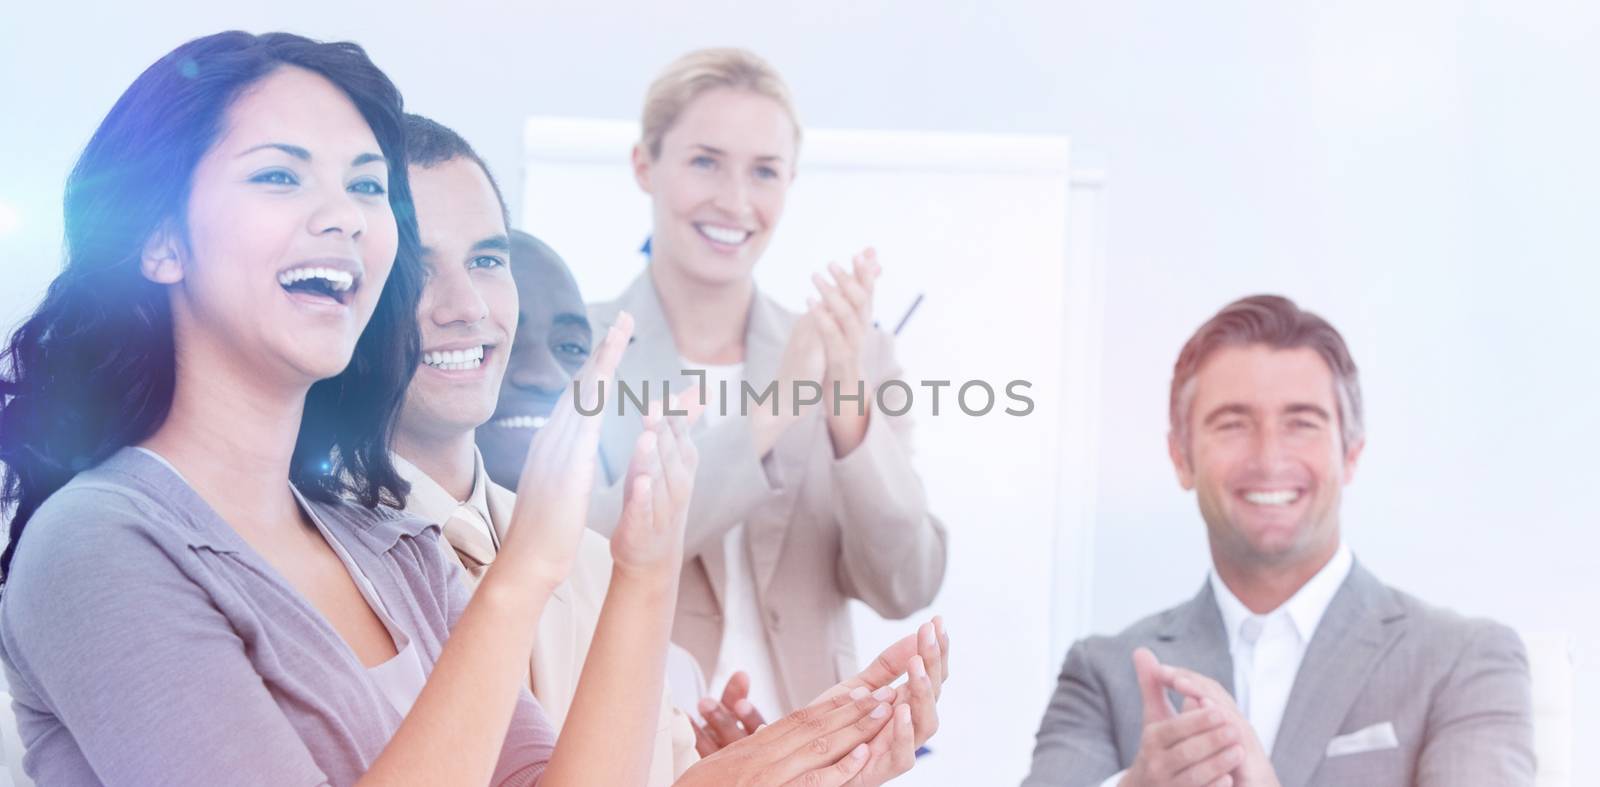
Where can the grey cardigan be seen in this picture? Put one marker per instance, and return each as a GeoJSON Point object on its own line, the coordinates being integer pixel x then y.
{"type": "Point", "coordinates": [146, 643]}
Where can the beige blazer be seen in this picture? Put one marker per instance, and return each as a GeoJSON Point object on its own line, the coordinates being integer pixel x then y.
{"type": "Point", "coordinates": [820, 531]}
{"type": "Point", "coordinates": [567, 626]}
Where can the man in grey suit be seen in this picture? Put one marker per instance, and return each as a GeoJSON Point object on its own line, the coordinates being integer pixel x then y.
{"type": "Point", "coordinates": [1293, 665]}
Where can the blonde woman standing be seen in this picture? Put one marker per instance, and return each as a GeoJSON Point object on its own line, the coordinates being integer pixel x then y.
{"type": "Point", "coordinates": [795, 513]}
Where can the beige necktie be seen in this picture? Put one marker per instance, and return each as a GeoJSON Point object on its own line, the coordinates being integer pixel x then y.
{"type": "Point", "coordinates": [464, 530]}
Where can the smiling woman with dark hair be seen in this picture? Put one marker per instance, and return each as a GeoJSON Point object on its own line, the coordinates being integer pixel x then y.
{"type": "Point", "coordinates": [104, 321]}
{"type": "Point", "coordinates": [191, 596]}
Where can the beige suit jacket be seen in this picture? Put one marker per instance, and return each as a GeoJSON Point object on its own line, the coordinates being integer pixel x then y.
{"type": "Point", "coordinates": [820, 531]}
{"type": "Point", "coordinates": [567, 626]}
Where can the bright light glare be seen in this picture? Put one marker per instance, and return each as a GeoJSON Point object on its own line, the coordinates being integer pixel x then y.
{"type": "Point", "coordinates": [10, 220]}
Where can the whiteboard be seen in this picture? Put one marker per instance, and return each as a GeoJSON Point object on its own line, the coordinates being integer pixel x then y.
{"type": "Point", "coordinates": [1003, 241]}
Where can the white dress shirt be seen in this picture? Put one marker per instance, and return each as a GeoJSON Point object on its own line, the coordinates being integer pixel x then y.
{"type": "Point", "coordinates": [744, 636]}
{"type": "Point", "coordinates": [1267, 649]}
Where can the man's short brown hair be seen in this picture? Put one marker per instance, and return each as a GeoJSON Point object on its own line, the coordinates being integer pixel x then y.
{"type": "Point", "coordinates": [1277, 322]}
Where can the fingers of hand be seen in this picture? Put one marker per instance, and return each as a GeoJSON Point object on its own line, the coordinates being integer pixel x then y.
{"type": "Point", "coordinates": [680, 431]}
{"type": "Point", "coordinates": [692, 401]}
{"type": "Point", "coordinates": [932, 658]}
{"type": "Point", "coordinates": [838, 306]}
{"type": "Point", "coordinates": [667, 443]}
{"type": "Point", "coordinates": [612, 346]}
{"type": "Point", "coordinates": [554, 447]}
{"type": "Point", "coordinates": [903, 749]}
{"type": "Point", "coordinates": [1174, 732]}
{"type": "Point", "coordinates": [894, 748]}
{"type": "Point", "coordinates": [860, 731]}
{"type": "Point", "coordinates": [1190, 703]}
{"type": "Point", "coordinates": [819, 707]}
{"type": "Point", "coordinates": [665, 512]}
{"type": "Point", "coordinates": [645, 455]}
{"type": "Point", "coordinates": [890, 664]}
{"type": "Point", "coordinates": [640, 508]}
{"type": "Point", "coordinates": [836, 346]}
{"type": "Point", "coordinates": [853, 708]}
{"type": "Point", "coordinates": [1211, 768]}
{"type": "Point", "coordinates": [602, 364]}
{"type": "Point", "coordinates": [738, 688]}
{"type": "Point", "coordinates": [1200, 687]}
{"type": "Point", "coordinates": [840, 772]}
{"type": "Point", "coordinates": [857, 291]}
{"type": "Point", "coordinates": [748, 716]}
{"type": "Point", "coordinates": [923, 701]}
{"type": "Point", "coordinates": [944, 644]}
{"type": "Point", "coordinates": [868, 267]}
{"type": "Point", "coordinates": [735, 696]}
{"type": "Point", "coordinates": [679, 459]}
{"type": "Point", "coordinates": [818, 736]}
{"type": "Point", "coordinates": [1151, 687]}
{"type": "Point", "coordinates": [720, 724]}
{"type": "Point", "coordinates": [704, 744]}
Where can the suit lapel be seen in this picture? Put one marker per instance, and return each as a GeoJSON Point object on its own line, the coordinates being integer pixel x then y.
{"type": "Point", "coordinates": [651, 358]}
{"type": "Point", "coordinates": [653, 355]}
{"type": "Point", "coordinates": [1195, 638]}
{"type": "Point", "coordinates": [1360, 626]}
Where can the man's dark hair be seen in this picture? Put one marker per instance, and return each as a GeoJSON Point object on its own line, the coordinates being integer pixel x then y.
{"type": "Point", "coordinates": [430, 143]}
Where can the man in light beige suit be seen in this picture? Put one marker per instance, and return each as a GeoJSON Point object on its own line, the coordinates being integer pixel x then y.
{"type": "Point", "coordinates": [468, 316]}
{"type": "Point", "coordinates": [1294, 665]}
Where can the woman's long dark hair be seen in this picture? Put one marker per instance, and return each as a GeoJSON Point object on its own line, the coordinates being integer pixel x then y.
{"type": "Point", "coordinates": [92, 371]}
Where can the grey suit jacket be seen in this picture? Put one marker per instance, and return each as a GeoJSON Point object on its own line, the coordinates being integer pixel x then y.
{"type": "Point", "coordinates": [819, 530]}
{"type": "Point", "coordinates": [1456, 691]}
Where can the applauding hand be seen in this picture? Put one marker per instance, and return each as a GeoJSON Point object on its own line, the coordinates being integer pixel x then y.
{"type": "Point", "coordinates": [843, 314]}
{"type": "Point", "coordinates": [558, 476]}
{"type": "Point", "coordinates": [1199, 691]}
{"type": "Point", "coordinates": [730, 719]}
{"type": "Point", "coordinates": [1198, 746]}
{"type": "Point", "coordinates": [648, 541]}
{"type": "Point", "coordinates": [741, 748]}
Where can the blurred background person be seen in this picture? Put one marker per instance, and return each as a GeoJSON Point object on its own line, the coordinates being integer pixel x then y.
{"type": "Point", "coordinates": [796, 514]}
{"type": "Point", "coordinates": [553, 341]}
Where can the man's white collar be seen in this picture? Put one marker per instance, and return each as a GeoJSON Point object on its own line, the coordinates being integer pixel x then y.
{"type": "Point", "coordinates": [1305, 608]}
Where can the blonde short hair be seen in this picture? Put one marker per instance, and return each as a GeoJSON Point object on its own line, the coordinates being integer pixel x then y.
{"type": "Point", "coordinates": [703, 70]}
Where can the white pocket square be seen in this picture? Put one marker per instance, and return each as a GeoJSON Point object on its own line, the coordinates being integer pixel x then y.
{"type": "Point", "coordinates": [1374, 738]}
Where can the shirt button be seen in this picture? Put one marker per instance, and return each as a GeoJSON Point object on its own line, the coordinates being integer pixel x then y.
{"type": "Point", "coordinates": [1250, 630]}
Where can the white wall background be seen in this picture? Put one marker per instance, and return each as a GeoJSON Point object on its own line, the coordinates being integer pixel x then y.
{"type": "Point", "coordinates": [1424, 174]}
